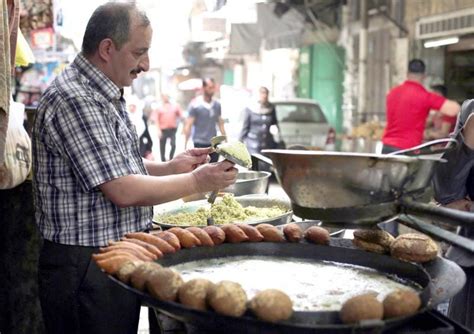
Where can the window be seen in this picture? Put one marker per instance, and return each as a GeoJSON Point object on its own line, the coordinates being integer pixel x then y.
{"type": "Point", "coordinates": [299, 113]}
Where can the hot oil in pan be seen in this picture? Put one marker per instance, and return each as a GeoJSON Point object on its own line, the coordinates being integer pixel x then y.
{"type": "Point", "coordinates": [311, 285]}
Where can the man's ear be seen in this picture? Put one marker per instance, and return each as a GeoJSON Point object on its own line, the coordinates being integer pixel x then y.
{"type": "Point", "coordinates": [106, 46]}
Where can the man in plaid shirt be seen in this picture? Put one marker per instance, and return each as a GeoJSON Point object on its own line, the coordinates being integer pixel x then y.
{"type": "Point", "coordinates": [90, 183]}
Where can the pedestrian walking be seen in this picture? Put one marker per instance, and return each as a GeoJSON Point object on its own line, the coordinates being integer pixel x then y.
{"type": "Point", "coordinates": [259, 118]}
{"type": "Point", "coordinates": [204, 116]}
{"type": "Point", "coordinates": [167, 119]}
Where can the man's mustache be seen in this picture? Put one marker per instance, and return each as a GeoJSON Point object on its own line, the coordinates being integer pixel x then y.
{"type": "Point", "coordinates": [137, 70]}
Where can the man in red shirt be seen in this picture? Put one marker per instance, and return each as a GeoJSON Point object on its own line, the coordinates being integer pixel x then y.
{"type": "Point", "coordinates": [408, 106]}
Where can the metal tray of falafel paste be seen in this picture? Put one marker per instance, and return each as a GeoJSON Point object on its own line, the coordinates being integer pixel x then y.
{"type": "Point", "coordinates": [255, 200]}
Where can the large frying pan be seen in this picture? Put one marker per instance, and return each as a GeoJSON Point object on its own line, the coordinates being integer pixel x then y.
{"type": "Point", "coordinates": [440, 280]}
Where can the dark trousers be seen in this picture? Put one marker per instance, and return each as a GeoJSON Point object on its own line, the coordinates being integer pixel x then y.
{"type": "Point", "coordinates": [165, 135]}
{"type": "Point", "coordinates": [20, 243]}
{"type": "Point", "coordinates": [76, 297]}
{"type": "Point", "coordinates": [214, 156]}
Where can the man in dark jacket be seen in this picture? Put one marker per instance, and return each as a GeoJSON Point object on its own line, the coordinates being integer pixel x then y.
{"type": "Point", "coordinates": [454, 188]}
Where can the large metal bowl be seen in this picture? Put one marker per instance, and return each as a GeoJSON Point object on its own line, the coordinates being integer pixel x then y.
{"type": "Point", "coordinates": [316, 179]}
{"type": "Point", "coordinates": [249, 182]}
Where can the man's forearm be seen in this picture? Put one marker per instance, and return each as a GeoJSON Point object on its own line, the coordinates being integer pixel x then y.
{"type": "Point", "coordinates": [146, 190]}
{"type": "Point", "coordinates": [450, 108]}
{"type": "Point", "coordinates": [187, 136]}
{"type": "Point", "coordinates": [187, 131]}
{"type": "Point", "coordinates": [156, 168]}
{"type": "Point", "coordinates": [222, 127]}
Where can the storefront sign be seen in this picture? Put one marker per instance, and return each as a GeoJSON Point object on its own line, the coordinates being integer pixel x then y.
{"type": "Point", "coordinates": [42, 38]}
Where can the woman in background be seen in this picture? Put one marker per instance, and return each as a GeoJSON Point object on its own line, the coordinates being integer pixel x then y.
{"type": "Point", "coordinates": [258, 119]}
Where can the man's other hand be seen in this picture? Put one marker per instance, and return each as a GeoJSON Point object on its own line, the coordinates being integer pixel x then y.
{"type": "Point", "coordinates": [215, 176]}
{"type": "Point", "coordinates": [190, 159]}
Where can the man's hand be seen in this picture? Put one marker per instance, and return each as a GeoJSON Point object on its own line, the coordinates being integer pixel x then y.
{"type": "Point", "coordinates": [215, 176]}
{"type": "Point", "coordinates": [189, 160]}
{"type": "Point", "coordinates": [460, 204]}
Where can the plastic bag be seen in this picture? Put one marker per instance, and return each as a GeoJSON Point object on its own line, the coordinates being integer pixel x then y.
{"type": "Point", "coordinates": [24, 56]}
{"type": "Point", "coordinates": [17, 163]}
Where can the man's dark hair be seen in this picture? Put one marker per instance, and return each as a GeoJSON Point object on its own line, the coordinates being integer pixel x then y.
{"type": "Point", "coordinates": [206, 81]}
{"type": "Point", "coordinates": [267, 91]}
{"type": "Point", "coordinates": [416, 66]}
{"type": "Point", "coordinates": [111, 20]}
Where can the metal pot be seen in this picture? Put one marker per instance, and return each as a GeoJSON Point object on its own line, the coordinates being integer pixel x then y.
{"type": "Point", "coordinates": [249, 182]}
{"type": "Point", "coordinates": [361, 190]}
{"type": "Point", "coordinates": [318, 179]}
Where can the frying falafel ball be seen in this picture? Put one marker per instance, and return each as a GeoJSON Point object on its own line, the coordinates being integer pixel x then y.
{"type": "Point", "coordinates": [140, 275]}
{"type": "Point", "coordinates": [401, 303]}
{"type": "Point", "coordinates": [125, 271]}
{"type": "Point", "coordinates": [228, 298]}
{"type": "Point", "coordinates": [271, 305]}
{"type": "Point", "coordinates": [363, 307]}
{"type": "Point", "coordinates": [164, 284]}
{"type": "Point", "coordinates": [194, 293]}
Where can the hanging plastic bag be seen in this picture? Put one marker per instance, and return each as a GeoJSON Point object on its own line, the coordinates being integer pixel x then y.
{"type": "Point", "coordinates": [17, 163]}
{"type": "Point", "coordinates": [24, 55]}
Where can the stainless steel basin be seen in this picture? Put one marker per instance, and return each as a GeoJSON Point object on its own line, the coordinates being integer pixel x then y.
{"type": "Point", "coordinates": [249, 182]}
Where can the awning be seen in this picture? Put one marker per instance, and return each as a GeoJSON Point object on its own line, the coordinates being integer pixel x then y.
{"type": "Point", "coordinates": [270, 31]}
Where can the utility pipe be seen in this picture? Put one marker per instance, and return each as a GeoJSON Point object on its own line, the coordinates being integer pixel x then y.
{"type": "Point", "coordinates": [363, 48]}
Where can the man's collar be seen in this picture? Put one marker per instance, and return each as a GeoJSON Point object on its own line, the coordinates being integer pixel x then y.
{"type": "Point", "coordinates": [413, 82]}
{"type": "Point", "coordinates": [98, 78]}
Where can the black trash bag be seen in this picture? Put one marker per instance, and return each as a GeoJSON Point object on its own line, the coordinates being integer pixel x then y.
{"type": "Point", "coordinates": [145, 141]}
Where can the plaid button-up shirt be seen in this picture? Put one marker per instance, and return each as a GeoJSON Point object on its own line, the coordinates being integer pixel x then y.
{"type": "Point", "coordinates": [82, 138]}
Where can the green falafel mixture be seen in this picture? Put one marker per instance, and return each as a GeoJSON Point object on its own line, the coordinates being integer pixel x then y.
{"type": "Point", "coordinates": [225, 211]}
{"type": "Point", "coordinates": [238, 150]}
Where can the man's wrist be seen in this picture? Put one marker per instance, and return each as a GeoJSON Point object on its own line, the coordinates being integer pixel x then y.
{"type": "Point", "coordinates": [169, 167]}
{"type": "Point", "coordinates": [194, 183]}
